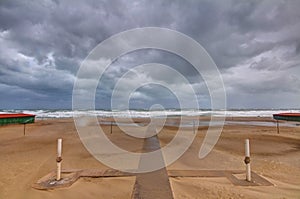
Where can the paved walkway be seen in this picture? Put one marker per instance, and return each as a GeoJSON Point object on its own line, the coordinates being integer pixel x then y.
{"type": "Point", "coordinates": [154, 184]}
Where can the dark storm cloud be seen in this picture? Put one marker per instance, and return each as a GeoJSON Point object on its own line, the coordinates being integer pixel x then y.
{"type": "Point", "coordinates": [254, 43]}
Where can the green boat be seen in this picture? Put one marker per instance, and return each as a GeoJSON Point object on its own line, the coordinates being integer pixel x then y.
{"type": "Point", "coordinates": [19, 118]}
{"type": "Point", "coordinates": [287, 116]}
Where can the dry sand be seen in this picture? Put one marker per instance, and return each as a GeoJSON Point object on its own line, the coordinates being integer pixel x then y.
{"type": "Point", "coordinates": [25, 159]}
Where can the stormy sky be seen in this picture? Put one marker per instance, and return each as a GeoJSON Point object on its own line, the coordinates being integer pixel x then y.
{"type": "Point", "coordinates": [254, 43]}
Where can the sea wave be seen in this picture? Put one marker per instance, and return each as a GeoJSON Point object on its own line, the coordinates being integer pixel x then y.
{"type": "Point", "coordinates": [146, 114]}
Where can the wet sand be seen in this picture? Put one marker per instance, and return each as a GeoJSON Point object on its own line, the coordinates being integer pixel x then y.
{"type": "Point", "coordinates": [25, 159]}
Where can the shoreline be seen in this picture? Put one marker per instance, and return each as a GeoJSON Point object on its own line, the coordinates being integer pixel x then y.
{"type": "Point", "coordinates": [188, 121]}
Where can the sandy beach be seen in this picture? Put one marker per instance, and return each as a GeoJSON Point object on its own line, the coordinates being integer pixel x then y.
{"type": "Point", "coordinates": [275, 157]}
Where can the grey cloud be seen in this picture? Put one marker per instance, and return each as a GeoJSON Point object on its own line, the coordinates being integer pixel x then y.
{"type": "Point", "coordinates": [256, 37]}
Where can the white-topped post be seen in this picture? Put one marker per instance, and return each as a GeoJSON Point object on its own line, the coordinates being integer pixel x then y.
{"type": "Point", "coordinates": [59, 159]}
{"type": "Point", "coordinates": [59, 147]}
{"type": "Point", "coordinates": [247, 160]}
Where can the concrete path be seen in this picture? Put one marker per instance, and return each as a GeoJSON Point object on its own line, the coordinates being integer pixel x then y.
{"type": "Point", "coordinates": [154, 184]}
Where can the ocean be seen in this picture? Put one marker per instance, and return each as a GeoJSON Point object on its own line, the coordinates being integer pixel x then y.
{"type": "Point", "coordinates": [40, 114]}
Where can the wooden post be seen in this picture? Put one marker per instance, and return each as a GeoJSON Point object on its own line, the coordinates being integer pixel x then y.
{"type": "Point", "coordinates": [277, 126]}
{"type": "Point", "coordinates": [247, 160]}
{"type": "Point", "coordinates": [194, 127]}
{"type": "Point", "coordinates": [24, 128]}
{"type": "Point", "coordinates": [110, 127]}
{"type": "Point", "coordinates": [58, 159]}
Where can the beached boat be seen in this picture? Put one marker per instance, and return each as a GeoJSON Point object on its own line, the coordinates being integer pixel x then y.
{"type": "Point", "coordinates": [287, 116]}
{"type": "Point", "coordinates": [19, 118]}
